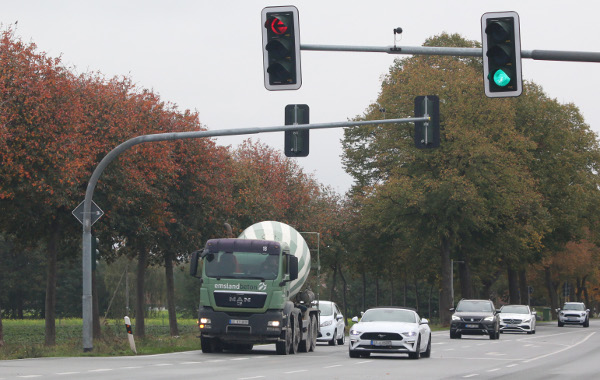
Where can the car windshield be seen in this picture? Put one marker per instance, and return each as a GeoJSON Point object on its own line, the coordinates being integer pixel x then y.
{"type": "Point", "coordinates": [242, 265]}
{"type": "Point", "coordinates": [573, 306]}
{"type": "Point", "coordinates": [515, 309]}
{"type": "Point", "coordinates": [326, 308]}
{"type": "Point", "coordinates": [477, 306]}
{"type": "Point", "coordinates": [389, 315]}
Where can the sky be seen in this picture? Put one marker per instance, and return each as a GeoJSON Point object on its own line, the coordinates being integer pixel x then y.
{"type": "Point", "coordinates": [206, 55]}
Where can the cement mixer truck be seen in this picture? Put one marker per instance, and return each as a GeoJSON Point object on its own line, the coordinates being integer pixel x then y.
{"type": "Point", "coordinates": [251, 291]}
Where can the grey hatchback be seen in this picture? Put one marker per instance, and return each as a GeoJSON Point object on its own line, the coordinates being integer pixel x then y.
{"type": "Point", "coordinates": [475, 317]}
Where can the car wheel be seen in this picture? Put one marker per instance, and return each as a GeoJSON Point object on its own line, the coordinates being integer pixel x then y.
{"type": "Point", "coordinates": [560, 324]}
{"type": "Point", "coordinates": [342, 339]}
{"type": "Point", "coordinates": [586, 323]}
{"type": "Point", "coordinates": [417, 354]}
{"type": "Point", "coordinates": [454, 335]}
{"type": "Point", "coordinates": [353, 354]}
{"type": "Point", "coordinates": [427, 352]}
{"type": "Point", "coordinates": [333, 340]}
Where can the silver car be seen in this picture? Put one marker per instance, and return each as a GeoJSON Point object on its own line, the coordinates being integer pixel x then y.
{"type": "Point", "coordinates": [573, 313]}
{"type": "Point", "coordinates": [517, 318]}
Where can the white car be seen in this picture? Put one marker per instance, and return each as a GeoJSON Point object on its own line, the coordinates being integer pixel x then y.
{"type": "Point", "coordinates": [332, 324]}
{"type": "Point", "coordinates": [573, 313]}
{"type": "Point", "coordinates": [390, 330]}
{"type": "Point", "coordinates": [517, 318]}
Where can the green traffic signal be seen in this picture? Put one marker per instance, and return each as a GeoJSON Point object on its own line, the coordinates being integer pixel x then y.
{"type": "Point", "coordinates": [501, 78]}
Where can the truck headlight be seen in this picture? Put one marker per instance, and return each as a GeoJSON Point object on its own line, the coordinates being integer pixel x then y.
{"type": "Point", "coordinates": [273, 323]}
{"type": "Point", "coordinates": [205, 321]}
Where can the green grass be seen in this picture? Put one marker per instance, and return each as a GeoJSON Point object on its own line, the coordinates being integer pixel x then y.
{"type": "Point", "coordinates": [25, 339]}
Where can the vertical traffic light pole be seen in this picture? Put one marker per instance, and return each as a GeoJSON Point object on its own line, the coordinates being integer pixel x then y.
{"type": "Point", "coordinates": [113, 154]}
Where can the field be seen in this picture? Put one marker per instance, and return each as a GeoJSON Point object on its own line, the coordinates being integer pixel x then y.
{"type": "Point", "coordinates": [25, 338]}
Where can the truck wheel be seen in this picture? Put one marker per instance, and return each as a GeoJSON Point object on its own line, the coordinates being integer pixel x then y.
{"type": "Point", "coordinates": [315, 332]}
{"type": "Point", "coordinates": [208, 345]}
{"type": "Point", "coordinates": [283, 348]}
{"type": "Point", "coordinates": [304, 345]}
{"type": "Point", "coordinates": [295, 336]}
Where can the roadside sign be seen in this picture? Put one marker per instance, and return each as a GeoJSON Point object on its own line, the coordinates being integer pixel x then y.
{"type": "Point", "coordinates": [95, 211]}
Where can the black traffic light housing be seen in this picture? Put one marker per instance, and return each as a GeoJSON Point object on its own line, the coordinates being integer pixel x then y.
{"type": "Point", "coordinates": [281, 48]}
{"type": "Point", "coordinates": [501, 40]}
{"type": "Point", "coordinates": [296, 142]}
{"type": "Point", "coordinates": [427, 133]}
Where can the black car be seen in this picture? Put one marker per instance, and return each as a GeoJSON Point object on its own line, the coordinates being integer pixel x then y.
{"type": "Point", "coordinates": [475, 317]}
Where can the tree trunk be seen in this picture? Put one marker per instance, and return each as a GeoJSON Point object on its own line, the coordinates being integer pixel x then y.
{"type": "Point", "coordinates": [376, 290]}
{"type": "Point", "coordinates": [344, 293]}
{"type": "Point", "coordinates": [429, 300]}
{"type": "Point", "coordinates": [391, 288]}
{"type": "Point", "coordinates": [171, 295]}
{"type": "Point", "coordinates": [551, 291]}
{"type": "Point", "coordinates": [140, 302]}
{"type": "Point", "coordinates": [96, 331]}
{"type": "Point", "coordinates": [523, 287]}
{"type": "Point", "coordinates": [364, 291]}
{"type": "Point", "coordinates": [333, 282]}
{"type": "Point", "coordinates": [416, 294]}
{"type": "Point", "coordinates": [50, 303]}
{"type": "Point", "coordinates": [445, 296]}
{"type": "Point", "coordinates": [1, 331]}
{"type": "Point", "coordinates": [586, 297]}
{"type": "Point", "coordinates": [466, 280]}
{"type": "Point", "coordinates": [405, 288]}
{"type": "Point", "coordinates": [513, 285]}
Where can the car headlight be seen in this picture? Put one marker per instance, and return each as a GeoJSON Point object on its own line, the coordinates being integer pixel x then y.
{"type": "Point", "coordinates": [583, 314]}
{"type": "Point", "coordinates": [489, 319]}
{"type": "Point", "coordinates": [526, 319]}
{"type": "Point", "coordinates": [455, 318]}
{"type": "Point", "coordinates": [410, 334]}
{"type": "Point", "coordinates": [326, 323]}
{"type": "Point", "coordinates": [355, 333]}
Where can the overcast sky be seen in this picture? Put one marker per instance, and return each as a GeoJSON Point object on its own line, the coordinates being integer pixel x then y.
{"type": "Point", "coordinates": [206, 55]}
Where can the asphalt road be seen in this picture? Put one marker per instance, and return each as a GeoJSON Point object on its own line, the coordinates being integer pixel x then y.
{"type": "Point", "coordinates": [570, 352]}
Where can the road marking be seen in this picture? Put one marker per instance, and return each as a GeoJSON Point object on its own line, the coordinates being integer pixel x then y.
{"type": "Point", "coordinates": [249, 378]}
{"type": "Point", "coordinates": [132, 367]}
{"type": "Point", "coordinates": [66, 373]}
{"type": "Point", "coordinates": [471, 375]}
{"type": "Point", "coordinates": [511, 365]}
{"type": "Point", "coordinates": [161, 364]}
{"type": "Point", "coordinates": [190, 362]}
{"type": "Point", "coordinates": [333, 366]}
{"type": "Point", "coordinates": [561, 350]}
{"type": "Point", "coordinates": [100, 370]}
{"type": "Point", "coordinates": [494, 370]}
{"type": "Point", "coordinates": [28, 376]}
{"type": "Point", "coordinates": [495, 353]}
{"type": "Point", "coordinates": [364, 361]}
{"type": "Point", "coordinates": [300, 370]}
{"type": "Point", "coordinates": [216, 360]}
{"type": "Point", "coordinates": [240, 359]}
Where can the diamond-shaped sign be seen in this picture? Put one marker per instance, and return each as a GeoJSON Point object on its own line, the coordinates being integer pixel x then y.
{"type": "Point", "coordinates": [96, 212]}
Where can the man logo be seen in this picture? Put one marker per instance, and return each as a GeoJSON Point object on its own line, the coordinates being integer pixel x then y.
{"type": "Point", "coordinates": [262, 286]}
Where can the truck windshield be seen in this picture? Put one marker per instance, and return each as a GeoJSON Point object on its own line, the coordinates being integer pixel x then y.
{"type": "Point", "coordinates": [242, 265]}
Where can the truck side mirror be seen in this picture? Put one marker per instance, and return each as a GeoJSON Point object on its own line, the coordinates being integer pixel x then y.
{"type": "Point", "coordinates": [293, 268]}
{"type": "Point", "coordinates": [194, 263]}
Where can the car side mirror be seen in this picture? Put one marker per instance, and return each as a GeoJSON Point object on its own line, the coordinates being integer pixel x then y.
{"type": "Point", "coordinates": [355, 319]}
{"type": "Point", "coordinates": [498, 311]}
{"type": "Point", "coordinates": [339, 317]}
{"type": "Point", "coordinates": [194, 263]}
{"type": "Point", "coordinates": [451, 309]}
{"type": "Point", "coordinates": [424, 321]}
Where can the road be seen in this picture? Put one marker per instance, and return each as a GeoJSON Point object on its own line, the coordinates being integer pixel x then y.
{"type": "Point", "coordinates": [552, 353]}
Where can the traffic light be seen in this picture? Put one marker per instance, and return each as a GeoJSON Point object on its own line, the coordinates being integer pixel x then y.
{"type": "Point", "coordinates": [427, 133]}
{"type": "Point", "coordinates": [95, 251]}
{"type": "Point", "coordinates": [500, 34]}
{"type": "Point", "coordinates": [296, 142]}
{"type": "Point", "coordinates": [281, 48]}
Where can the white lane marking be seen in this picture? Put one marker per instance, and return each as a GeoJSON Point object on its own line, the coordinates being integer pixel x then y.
{"type": "Point", "coordinates": [132, 367]}
{"type": "Point", "coordinates": [495, 353]}
{"type": "Point", "coordinates": [240, 359]}
{"type": "Point", "coordinates": [364, 361]}
{"type": "Point", "coordinates": [190, 362]}
{"type": "Point", "coordinates": [216, 360]}
{"type": "Point", "coordinates": [298, 371]}
{"type": "Point", "coordinates": [494, 370]}
{"type": "Point", "coordinates": [66, 373]}
{"type": "Point", "coordinates": [100, 370]}
{"type": "Point", "coordinates": [161, 364]}
{"type": "Point", "coordinates": [561, 350]}
{"type": "Point", "coordinates": [511, 365]}
{"type": "Point", "coordinates": [249, 378]}
{"type": "Point", "coordinates": [29, 376]}
{"type": "Point", "coordinates": [333, 366]}
{"type": "Point", "coordinates": [471, 375]}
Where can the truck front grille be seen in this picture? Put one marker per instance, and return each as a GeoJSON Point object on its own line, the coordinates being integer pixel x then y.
{"type": "Point", "coordinates": [243, 300]}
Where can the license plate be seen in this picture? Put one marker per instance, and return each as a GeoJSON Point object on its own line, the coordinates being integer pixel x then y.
{"type": "Point", "coordinates": [511, 325]}
{"type": "Point", "coordinates": [381, 343]}
{"type": "Point", "coordinates": [471, 326]}
{"type": "Point", "coordinates": [238, 321]}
